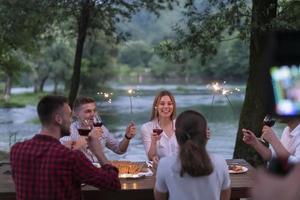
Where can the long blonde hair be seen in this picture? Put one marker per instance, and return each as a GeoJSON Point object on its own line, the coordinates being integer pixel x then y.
{"type": "Point", "coordinates": [162, 93]}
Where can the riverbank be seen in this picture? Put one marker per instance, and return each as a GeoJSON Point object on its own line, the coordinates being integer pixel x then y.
{"type": "Point", "coordinates": [4, 155]}
{"type": "Point", "coordinates": [21, 100]}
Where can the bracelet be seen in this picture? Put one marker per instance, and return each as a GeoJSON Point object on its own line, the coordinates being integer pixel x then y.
{"type": "Point", "coordinates": [128, 138]}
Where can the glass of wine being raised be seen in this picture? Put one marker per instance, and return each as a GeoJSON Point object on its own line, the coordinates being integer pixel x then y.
{"type": "Point", "coordinates": [84, 128]}
{"type": "Point", "coordinates": [157, 129]}
{"type": "Point", "coordinates": [97, 121]}
{"type": "Point", "coordinates": [268, 121]}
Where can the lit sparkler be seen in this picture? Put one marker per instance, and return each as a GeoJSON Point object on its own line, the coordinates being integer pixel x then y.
{"type": "Point", "coordinates": [222, 90]}
{"type": "Point", "coordinates": [130, 94]}
{"type": "Point", "coordinates": [106, 96]}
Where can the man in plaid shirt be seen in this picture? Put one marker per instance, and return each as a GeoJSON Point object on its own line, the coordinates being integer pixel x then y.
{"type": "Point", "coordinates": [43, 168]}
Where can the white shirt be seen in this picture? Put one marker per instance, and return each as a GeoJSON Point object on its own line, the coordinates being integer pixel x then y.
{"type": "Point", "coordinates": [106, 140]}
{"type": "Point", "coordinates": [291, 142]}
{"type": "Point", "coordinates": [166, 146]}
{"type": "Point", "coordinates": [192, 188]}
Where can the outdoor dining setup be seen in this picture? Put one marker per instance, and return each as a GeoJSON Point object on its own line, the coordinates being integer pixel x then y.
{"type": "Point", "coordinates": [137, 185]}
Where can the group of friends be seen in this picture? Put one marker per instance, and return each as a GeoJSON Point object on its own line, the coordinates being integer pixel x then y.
{"type": "Point", "coordinates": [56, 161]}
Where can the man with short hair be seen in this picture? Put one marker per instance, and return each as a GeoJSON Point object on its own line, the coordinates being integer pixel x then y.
{"type": "Point", "coordinates": [85, 110]}
{"type": "Point", "coordinates": [43, 168]}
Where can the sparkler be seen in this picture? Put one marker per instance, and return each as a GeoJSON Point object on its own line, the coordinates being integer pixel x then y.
{"type": "Point", "coordinates": [106, 96]}
{"type": "Point", "coordinates": [130, 93]}
{"type": "Point", "coordinates": [220, 89]}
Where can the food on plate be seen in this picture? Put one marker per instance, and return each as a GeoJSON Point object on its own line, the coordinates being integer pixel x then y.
{"type": "Point", "coordinates": [236, 168]}
{"type": "Point", "coordinates": [128, 167]}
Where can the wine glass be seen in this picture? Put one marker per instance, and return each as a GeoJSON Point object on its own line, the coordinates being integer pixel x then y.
{"type": "Point", "coordinates": [83, 127]}
{"type": "Point", "coordinates": [268, 121]}
{"type": "Point", "coordinates": [157, 129]}
{"type": "Point", "coordinates": [97, 121]}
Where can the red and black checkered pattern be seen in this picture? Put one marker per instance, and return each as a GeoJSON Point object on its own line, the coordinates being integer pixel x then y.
{"type": "Point", "coordinates": [44, 169]}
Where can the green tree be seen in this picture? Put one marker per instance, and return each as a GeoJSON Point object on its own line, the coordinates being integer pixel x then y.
{"type": "Point", "coordinates": [102, 15]}
{"type": "Point", "coordinates": [10, 66]}
{"type": "Point", "coordinates": [99, 63]}
{"type": "Point", "coordinates": [51, 59]}
{"type": "Point", "coordinates": [135, 54]}
{"type": "Point", "coordinates": [21, 23]}
{"type": "Point", "coordinates": [214, 21]}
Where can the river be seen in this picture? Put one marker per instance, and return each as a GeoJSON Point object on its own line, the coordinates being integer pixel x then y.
{"type": "Point", "coordinates": [222, 113]}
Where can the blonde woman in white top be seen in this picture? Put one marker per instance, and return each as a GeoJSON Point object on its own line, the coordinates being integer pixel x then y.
{"type": "Point", "coordinates": [160, 144]}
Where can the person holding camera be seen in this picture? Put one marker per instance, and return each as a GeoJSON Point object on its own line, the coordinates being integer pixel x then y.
{"type": "Point", "coordinates": [288, 147]}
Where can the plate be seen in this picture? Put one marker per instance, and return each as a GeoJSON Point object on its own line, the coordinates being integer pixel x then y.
{"type": "Point", "coordinates": [237, 169]}
{"type": "Point", "coordinates": [131, 176]}
{"type": "Point", "coordinates": [145, 172]}
{"type": "Point", "coordinates": [136, 176]}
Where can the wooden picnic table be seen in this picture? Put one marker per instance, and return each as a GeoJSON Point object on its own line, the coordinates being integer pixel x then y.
{"type": "Point", "coordinates": [134, 188]}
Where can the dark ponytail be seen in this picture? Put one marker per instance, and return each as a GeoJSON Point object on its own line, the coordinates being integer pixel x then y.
{"type": "Point", "coordinates": [190, 132]}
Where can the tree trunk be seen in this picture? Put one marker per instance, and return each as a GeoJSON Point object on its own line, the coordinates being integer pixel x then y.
{"type": "Point", "coordinates": [83, 24]}
{"type": "Point", "coordinates": [254, 109]}
{"type": "Point", "coordinates": [42, 84]}
{"type": "Point", "coordinates": [55, 89]}
{"type": "Point", "coordinates": [7, 87]}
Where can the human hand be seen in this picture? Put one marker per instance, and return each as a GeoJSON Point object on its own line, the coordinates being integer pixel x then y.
{"type": "Point", "coordinates": [130, 130]}
{"type": "Point", "coordinates": [249, 137]}
{"type": "Point", "coordinates": [96, 132]}
{"type": "Point", "coordinates": [208, 133]}
{"type": "Point", "coordinates": [268, 186]}
{"type": "Point", "coordinates": [155, 160]}
{"type": "Point", "coordinates": [78, 144]}
{"type": "Point", "coordinates": [93, 139]}
{"type": "Point", "coordinates": [268, 134]}
{"type": "Point", "coordinates": [155, 137]}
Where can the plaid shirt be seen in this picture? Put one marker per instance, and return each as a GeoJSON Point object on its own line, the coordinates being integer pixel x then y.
{"type": "Point", "coordinates": [44, 169]}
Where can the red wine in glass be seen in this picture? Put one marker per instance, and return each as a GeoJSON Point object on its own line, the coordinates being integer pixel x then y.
{"type": "Point", "coordinates": [269, 121]}
{"type": "Point", "coordinates": [97, 121]}
{"type": "Point", "coordinates": [98, 124]}
{"type": "Point", "coordinates": [157, 130]}
{"type": "Point", "coordinates": [84, 132]}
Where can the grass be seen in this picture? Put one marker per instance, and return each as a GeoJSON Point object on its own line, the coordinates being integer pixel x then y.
{"type": "Point", "coordinates": [4, 155]}
{"type": "Point", "coordinates": [21, 100]}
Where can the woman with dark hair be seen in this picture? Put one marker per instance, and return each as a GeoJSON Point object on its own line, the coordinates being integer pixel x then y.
{"type": "Point", "coordinates": [158, 134]}
{"type": "Point", "coordinates": [193, 173]}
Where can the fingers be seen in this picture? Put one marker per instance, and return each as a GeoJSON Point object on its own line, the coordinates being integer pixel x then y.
{"type": "Point", "coordinates": [130, 130]}
{"type": "Point", "coordinates": [68, 144]}
{"type": "Point", "coordinates": [155, 136]}
{"type": "Point", "coordinates": [208, 133]}
{"type": "Point", "coordinates": [248, 136]}
{"type": "Point", "coordinates": [80, 143]}
{"type": "Point", "coordinates": [96, 132]}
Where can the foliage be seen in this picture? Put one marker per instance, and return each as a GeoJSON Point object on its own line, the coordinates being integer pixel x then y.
{"type": "Point", "coordinates": [21, 100]}
{"type": "Point", "coordinates": [4, 156]}
{"type": "Point", "coordinates": [99, 63]}
{"type": "Point", "coordinates": [52, 61]}
{"type": "Point", "coordinates": [209, 23]}
{"type": "Point", "coordinates": [135, 54]}
{"type": "Point", "coordinates": [25, 19]}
